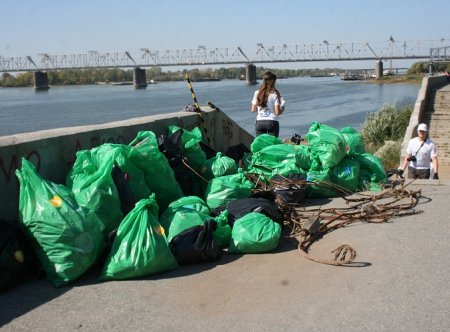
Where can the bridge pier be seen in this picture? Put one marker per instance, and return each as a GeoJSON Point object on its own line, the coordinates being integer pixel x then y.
{"type": "Point", "coordinates": [250, 74]}
{"type": "Point", "coordinates": [378, 69]}
{"type": "Point", "coordinates": [139, 79]}
{"type": "Point", "coordinates": [40, 81]}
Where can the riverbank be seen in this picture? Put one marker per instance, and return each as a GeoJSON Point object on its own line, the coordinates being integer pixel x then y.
{"type": "Point", "coordinates": [120, 76]}
{"type": "Point", "coordinates": [392, 79]}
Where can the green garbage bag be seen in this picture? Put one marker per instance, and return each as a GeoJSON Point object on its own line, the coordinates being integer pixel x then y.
{"type": "Point", "coordinates": [190, 141]}
{"type": "Point", "coordinates": [275, 153]}
{"type": "Point", "coordinates": [92, 184]}
{"type": "Point", "coordinates": [254, 233]}
{"type": "Point", "coordinates": [262, 141]}
{"type": "Point", "coordinates": [372, 171]}
{"type": "Point", "coordinates": [303, 156]}
{"type": "Point", "coordinates": [266, 172]}
{"type": "Point", "coordinates": [226, 188]}
{"type": "Point", "coordinates": [286, 168]}
{"type": "Point", "coordinates": [144, 154]}
{"type": "Point", "coordinates": [222, 234]}
{"type": "Point", "coordinates": [247, 160]}
{"type": "Point", "coordinates": [323, 183]}
{"type": "Point", "coordinates": [67, 238]}
{"type": "Point", "coordinates": [140, 247]}
{"type": "Point", "coordinates": [353, 141]}
{"type": "Point", "coordinates": [346, 174]}
{"type": "Point", "coordinates": [194, 203]}
{"type": "Point", "coordinates": [275, 159]}
{"type": "Point", "coordinates": [219, 165]}
{"type": "Point", "coordinates": [188, 202]}
{"type": "Point", "coordinates": [117, 154]}
{"type": "Point", "coordinates": [327, 143]}
{"type": "Point", "coordinates": [182, 219]}
{"type": "Point", "coordinates": [135, 177]}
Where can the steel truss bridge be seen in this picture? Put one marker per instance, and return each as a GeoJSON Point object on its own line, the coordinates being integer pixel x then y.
{"type": "Point", "coordinates": [319, 52]}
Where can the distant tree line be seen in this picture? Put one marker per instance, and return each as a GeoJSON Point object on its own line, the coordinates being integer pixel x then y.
{"type": "Point", "coordinates": [93, 76]}
{"type": "Point", "coordinates": [69, 77]}
{"type": "Point", "coordinates": [423, 67]}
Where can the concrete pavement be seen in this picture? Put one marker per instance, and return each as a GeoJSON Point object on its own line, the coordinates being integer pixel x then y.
{"type": "Point", "coordinates": [403, 286]}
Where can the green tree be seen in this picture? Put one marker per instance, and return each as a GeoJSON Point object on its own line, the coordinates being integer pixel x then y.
{"type": "Point", "coordinates": [7, 80]}
{"type": "Point", "coordinates": [418, 68]}
{"type": "Point", "coordinates": [24, 79]}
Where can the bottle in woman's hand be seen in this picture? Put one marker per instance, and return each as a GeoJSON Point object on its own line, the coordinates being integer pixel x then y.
{"type": "Point", "coordinates": [282, 104]}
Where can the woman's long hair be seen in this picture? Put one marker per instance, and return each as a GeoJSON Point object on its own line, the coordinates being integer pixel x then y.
{"type": "Point", "coordinates": [267, 87]}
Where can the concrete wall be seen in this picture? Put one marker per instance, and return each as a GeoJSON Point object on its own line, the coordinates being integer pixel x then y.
{"type": "Point", "coordinates": [428, 84]}
{"type": "Point", "coordinates": [53, 151]}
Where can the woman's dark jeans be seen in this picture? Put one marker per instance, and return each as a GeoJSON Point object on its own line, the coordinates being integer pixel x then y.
{"type": "Point", "coordinates": [267, 127]}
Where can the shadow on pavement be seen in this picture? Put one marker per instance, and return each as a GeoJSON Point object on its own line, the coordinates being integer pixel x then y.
{"type": "Point", "coordinates": [26, 296]}
{"type": "Point", "coordinates": [30, 294]}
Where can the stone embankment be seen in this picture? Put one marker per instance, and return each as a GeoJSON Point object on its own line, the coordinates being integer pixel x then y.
{"type": "Point", "coordinates": [437, 115]}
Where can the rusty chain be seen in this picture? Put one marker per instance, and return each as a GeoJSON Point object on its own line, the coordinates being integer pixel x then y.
{"type": "Point", "coordinates": [362, 207]}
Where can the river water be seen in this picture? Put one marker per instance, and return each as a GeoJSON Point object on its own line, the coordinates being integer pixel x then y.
{"type": "Point", "coordinates": [327, 100]}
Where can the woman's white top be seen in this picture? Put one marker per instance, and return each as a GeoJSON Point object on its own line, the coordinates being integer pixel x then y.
{"type": "Point", "coordinates": [268, 112]}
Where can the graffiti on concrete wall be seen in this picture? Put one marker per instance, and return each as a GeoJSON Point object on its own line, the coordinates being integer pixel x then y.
{"type": "Point", "coordinates": [95, 141]}
{"type": "Point", "coordinates": [8, 167]}
{"type": "Point", "coordinates": [227, 129]}
{"type": "Point", "coordinates": [9, 164]}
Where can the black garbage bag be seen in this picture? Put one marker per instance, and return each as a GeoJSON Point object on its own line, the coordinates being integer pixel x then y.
{"type": "Point", "coordinates": [237, 152]}
{"type": "Point", "coordinates": [290, 194]}
{"type": "Point", "coordinates": [126, 196]}
{"type": "Point", "coordinates": [292, 191]}
{"type": "Point", "coordinates": [17, 260]}
{"type": "Point", "coordinates": [242, 206]}
{"type": "Point", "coordinates": [196, 245]}
{"type": "Point", "coordinates": [209, 151]}
{"type": "Point", "coordinates": [171, 147]}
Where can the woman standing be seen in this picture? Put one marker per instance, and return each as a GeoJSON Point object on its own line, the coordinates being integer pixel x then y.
{"type": "Point", "coordinates": [269, 104]}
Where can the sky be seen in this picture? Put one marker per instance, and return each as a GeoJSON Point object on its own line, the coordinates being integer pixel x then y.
{"type": "Point", "coordinates": [30, 27]}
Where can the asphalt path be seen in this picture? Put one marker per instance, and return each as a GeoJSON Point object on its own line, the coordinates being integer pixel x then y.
{"type": "Point", "coordinates": [401, 283]}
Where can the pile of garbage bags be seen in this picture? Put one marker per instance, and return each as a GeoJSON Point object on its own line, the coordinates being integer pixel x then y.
{"type": "Point", "coordinates": [159, 203]}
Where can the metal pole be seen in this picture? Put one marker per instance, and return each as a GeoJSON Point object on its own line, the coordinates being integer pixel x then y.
{"type": "Point", "coordinates": [199, 111]}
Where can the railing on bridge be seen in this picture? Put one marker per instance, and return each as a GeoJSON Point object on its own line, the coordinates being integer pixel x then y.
{"type": "Point", "coordinates": [324, 51]}
{"type": "Point", "coordinates": [440, 54]}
